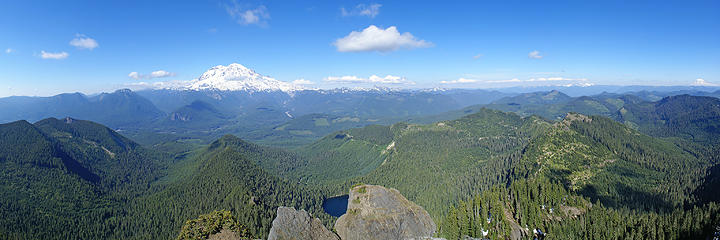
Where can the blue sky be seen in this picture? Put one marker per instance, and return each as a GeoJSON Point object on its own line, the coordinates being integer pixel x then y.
{"type": "Point", "coordinates": [469, 44]}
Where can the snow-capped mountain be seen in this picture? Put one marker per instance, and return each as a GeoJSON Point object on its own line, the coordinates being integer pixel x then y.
{"type": "Point", "coordinates": [236, 77]}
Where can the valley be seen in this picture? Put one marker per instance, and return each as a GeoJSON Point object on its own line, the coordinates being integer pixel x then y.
{"type": "Point", "coordinates": [359, 120]}
{"type": "Point", "coordinates": [627, 159]}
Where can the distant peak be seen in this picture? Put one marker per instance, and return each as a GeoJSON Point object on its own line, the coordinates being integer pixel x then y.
{"type": "Point", "coordinates": [124, 90]}
{"type": "Point", "coordinates": [236, 77]}
{"type": "Point", "coordinates": [235, 65]}
{"type": "Point", "coordinates": [571, 117]}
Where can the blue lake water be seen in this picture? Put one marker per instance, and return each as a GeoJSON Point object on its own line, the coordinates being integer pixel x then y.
{"type": "Point", "coordinates": [336, 206]}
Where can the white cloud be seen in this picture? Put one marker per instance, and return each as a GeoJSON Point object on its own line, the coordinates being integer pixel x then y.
{"type": "Point", "coordinates": [581, 81]}
{"type": "Point", "coordinates": [302, 81]}
{"type": "Point", "coordinates": [174, 84]}
{"type": "Point", "coordinates": [344, 79]}
{"type": "Point", "coordinates": [50, 55]}
{"type": "Point", "coordinates": [155, 74]}
{"type": "Point", "coordinates": [373, 38]}
{"type": "Point", "coordinates": [535, 55]}
{"type": "Point", "coordinates": [9, 50]}
{"type": "Point", "coordinates": [134, 75]}
{"type": "Point", "coordinates": [479, 55]}
{"type": "Point", "coordinates": [542, 79]}
{"type": "Point", "coordinates": [514, 80]}
{"type": "Point", "coordinates": [459, 81]}
{"type": "Point", "coordinates": [388, 79]}
{"type": "Point", "coordinates": [702, 82]}
{"type": "Point", "coordinates": [161, 74]}
{"type": "Point", "coordinates": [247, 16]}
{"type": "Point", "coordinates": [371, 10]}
{"type": "Point", "coordinates": [83, 42]}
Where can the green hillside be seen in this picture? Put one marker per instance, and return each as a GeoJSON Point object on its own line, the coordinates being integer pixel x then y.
{"type": "Point", "coordinates": [306, 129]}
{"type": "Point", "coordinates": [594, 178]}
{"type": "Point", "coordinates": [58, 173]}
{"type": "Point", "coordinates": [68, 173]}
{"type": "Point", "coordinates": [554, 105]}
{"type": "Point", "coordinates": [519, 210]}
{"type": "Point", "coordinates": [693, 118]}
{"type": "Point", "coordinates": [651, 171]}
{"type": "Point", "coordinates": [224, 175]}
{"type": "Point", "coordinates": [433, 165]}
{"type": "Point", "coordinates": [607, 161]}
{"type": "Point", "coordinates": [437, 164]}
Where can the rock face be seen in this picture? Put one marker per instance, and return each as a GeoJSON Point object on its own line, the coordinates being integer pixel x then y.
{"type": "Point", "coordinates": [375, 212]}
{"type": "Point", "coordinates": [292, 224]}
{"type": "Point", "coordinates": [226, 235]}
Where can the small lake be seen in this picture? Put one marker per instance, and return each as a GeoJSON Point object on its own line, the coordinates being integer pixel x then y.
{"type": "Point", "coordinates": [336, 206]}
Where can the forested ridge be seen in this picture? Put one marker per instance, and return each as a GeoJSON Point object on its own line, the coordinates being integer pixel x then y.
{"type": "Point", "coordinates": [225, 175]}
{"type": "Point", "coordinates": [594, 178]}
{"type": "Point", "coordinates": [77, 173]}
{"type": "Point", "coordinates": [433, 165]}
{"type": "Point", "coordinates": [545, 209]}
{"type": "Point", "coordinates": [68, 173]}
{"type": "Point", "coordinates": [649, 172]}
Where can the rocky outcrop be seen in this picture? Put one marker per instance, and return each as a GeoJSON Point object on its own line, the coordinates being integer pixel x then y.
{"type": "Point", "coordinates": [292, 224]}
{"type": "Point", "coordinates": [226, 234]}
{"type": "Point", "coordinates": [375, 212]}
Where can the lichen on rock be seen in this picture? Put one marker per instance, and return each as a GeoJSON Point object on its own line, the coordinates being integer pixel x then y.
{"type": "Point", "coordinates": [292, 224]}
{"type": "Point", "coordinates": [375, 212]}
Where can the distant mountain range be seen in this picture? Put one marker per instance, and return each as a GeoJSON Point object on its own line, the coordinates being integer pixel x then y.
{"type": "Point", "coordinates": [234, 99]}
{"type": "Point", "coordinates": [635, 158]}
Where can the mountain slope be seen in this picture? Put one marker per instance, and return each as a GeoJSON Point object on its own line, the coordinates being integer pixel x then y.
{"type": "Point", "coordinates": [607, 161]}
{"type": "Point", "coordinates": [236, 77]}
{"type": "Point", "coordinates": [554, 105]}
{"type": "Point", "coordinates": [433, 165]}
{"type": "Point", "coordinates": [197, 116]}
{"type": "Point", "coordinates": [541, 209]}
{"type": "Point", "coordinates": [57, 173]}
{"type": "Point", "coordinates": [436, 164]}
{"type": "Point", "coordinates": [225, 175]}
{"type": "Point", "coordinates": [689, 117]}
{"type": "Point", "coordinates": [122, 108]}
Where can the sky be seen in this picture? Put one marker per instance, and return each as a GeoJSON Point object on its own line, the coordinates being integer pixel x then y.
{"type": "Point", "coordinates": [51, 47]}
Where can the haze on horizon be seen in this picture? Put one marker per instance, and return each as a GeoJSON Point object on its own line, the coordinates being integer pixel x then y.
{"type": "Point", "coordinates": [51, 47]}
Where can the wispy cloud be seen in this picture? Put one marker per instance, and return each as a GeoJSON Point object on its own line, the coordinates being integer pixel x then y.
{"type": "Point", "coordinates": [388, 79]}
{"type": "Point", "coordinates": [535, 55]}
{"type": "Point", "coordinates": [174, 84]}
{"type": "Point", "coordinates": [542, 79]}
{"type": "Point", "coordinates": [517, 80]}
{"type": "Point", "coordinates": [9, 50]}
{"type": "Point", "coordinates": [459, 81]}
{"type": "Point", "coordinates": [702, 82]}
{"type": "Point", "coordinates": [370, 10]}
{"type": "Point", "coordinates": [84, 42]}
{"type": "Point", "coordinates": [302, 81]}
{"type": "Point", "coordinates": [373, 38]}
{"type": "Point", "coordinates": [247, 15]}
{"type": "Point", "coordinates": [55, 55]}
{"type": "Point", "coordinates": [514, 80]}
{"type": "Point", "coordinates": [155, 74]}
{"type": "Point", "coordinates": [479, 55]}
{"type": "Point", "coordinates": [344, 79]}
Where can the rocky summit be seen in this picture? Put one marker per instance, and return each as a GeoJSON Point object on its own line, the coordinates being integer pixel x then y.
{"type": "Point", "coordinates": [291, 224]}
{"type": "Point", "coordinates": [375, 212]}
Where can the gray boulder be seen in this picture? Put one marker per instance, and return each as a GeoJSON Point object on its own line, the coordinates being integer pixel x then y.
{"type": "Point", "coordinates": [375, 212]}
{"type": "Point", "coordinates": [291, 224]}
